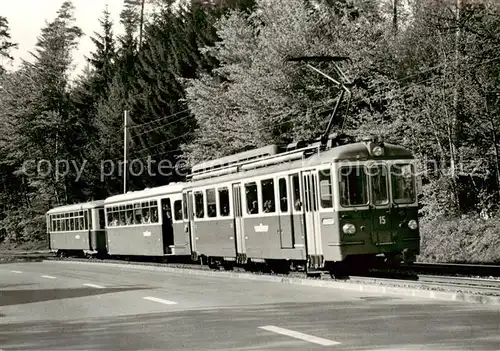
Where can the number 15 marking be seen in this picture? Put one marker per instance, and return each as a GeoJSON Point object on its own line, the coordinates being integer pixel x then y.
{"type": "Point", "coordinates": [382, 220]}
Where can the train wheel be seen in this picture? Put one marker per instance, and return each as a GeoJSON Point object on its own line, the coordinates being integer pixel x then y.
{"type": "Point", "coordinates": [213, 264]}
{"type": "Point", "coordinates": [279, 266]}
{"type": "Point", "coordinates": [228, 266]}
{"type": "Point", "coordinates": [337, 270]}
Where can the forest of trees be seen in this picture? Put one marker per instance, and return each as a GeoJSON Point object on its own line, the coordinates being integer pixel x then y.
{"type": "Point", "coordinates": [212, 79]}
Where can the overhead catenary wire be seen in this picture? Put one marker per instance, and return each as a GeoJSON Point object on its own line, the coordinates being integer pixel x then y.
{"type": "Point", "coordinates": [158, 120]}
{"type": "Point", "coordinates": [163, 142]}
{"type": "Point", "coordinates": [161, 126]}
{"type": "Point", "coordinates": [352, 102]}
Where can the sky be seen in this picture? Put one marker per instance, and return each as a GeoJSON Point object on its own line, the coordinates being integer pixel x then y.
{"type": "Point", "coordinates": [27, 18]}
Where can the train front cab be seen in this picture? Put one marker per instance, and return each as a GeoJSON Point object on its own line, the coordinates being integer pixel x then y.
{"type": "Point", "coordinates": [376, 208]}
{"type": "Point", "coordinates": [77, 229]}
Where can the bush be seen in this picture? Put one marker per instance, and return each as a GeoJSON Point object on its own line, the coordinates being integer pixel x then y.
{"type": "Point", "coordinates": [469, 239]}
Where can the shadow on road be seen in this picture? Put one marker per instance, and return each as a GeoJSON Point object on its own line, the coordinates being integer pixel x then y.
{"type": "Point", "coordinates": [20, 297]}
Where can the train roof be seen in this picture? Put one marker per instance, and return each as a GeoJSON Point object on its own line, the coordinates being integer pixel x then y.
{"type": "Point", "coordinates": [77, 207]}
{"type": "Point", "coordinates": [249, 155]}
{"type": "Point", "coordinates": [295, 160]}
{"type": "Point", "coordinates": [145, 193]}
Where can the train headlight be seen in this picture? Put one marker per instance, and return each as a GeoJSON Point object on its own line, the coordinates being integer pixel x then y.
{"type": "Point", "coordinates": [349, 229]}
{"type": "Point", "coordinates": [377, 151]}
{"type": "Point", "coordinates": [412, 224]}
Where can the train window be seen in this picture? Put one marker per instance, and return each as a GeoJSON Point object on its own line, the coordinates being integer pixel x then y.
{"type": "Point", "coordinates": [403, 183]}
{"type": "Point", "coordinates": [101, 218]}
{"type": "Point", "coordinates": [353, 186]}
{"type": "Point", "coordinates": [121, 216]}
{"type": "Point", "coordinates": [184, 206]}
{"type": "Point", "coordinates": [252, 198]}
{"type": "Point", "coordinates": [268, 202]}
{"type": "Point", "coordinates": [146, 214]}
{"type": "Point", "coordinates": [224, 201]}
{"type": "Point", "coordinates": [211, 203]}
{"type": "Point", "coordinates": [314, 191]}
{"type": "Point", "coordinates": [178, 210]}
{"type": "Point", "coordinates": [90, 220]}
{"type": "Point", "coordinates": [297, 203]}
{"type": "Point", "coordinates": [76, 224]}
{"type": "Point", "coordinates": [153, 210]}
{"type": "Point", "coordinates": [198, 204]}
{"type": "Point", "coordinates": [325, 188]}
{"type": "Point", "coordinates": [111, 222]}
{"type": "Point", "coordinates": [166, 209]}
{"type": "Point", "coordinates": [129, 215]}
{"type": "Point", "coordinates": [283, 195]}
{"type": "Point", "coordinates": [137, 215]}
{"type": "Point", "coordinates": [379, 180]}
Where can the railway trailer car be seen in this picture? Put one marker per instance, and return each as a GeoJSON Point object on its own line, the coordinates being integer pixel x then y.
{"type": "Point", "coordinates": [77, 229]}
{"type": "Point", "coordinates": [315, 206]}
{"type": "Point", "coordinates": [147, 223]}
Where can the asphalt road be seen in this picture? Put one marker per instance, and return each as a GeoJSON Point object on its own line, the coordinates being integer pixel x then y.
{"type": "Point", "coordinates": [67, 306]}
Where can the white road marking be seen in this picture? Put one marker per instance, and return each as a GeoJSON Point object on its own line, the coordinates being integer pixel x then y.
{"type": "Point", "coordinates": [297, 335]}
{"type": "Point", "coordinates": [17, 272]}
{"type": "Point", "coordinates": [94, 286]}
{"type": "Point", "coordinates": [155, 299]}
{"type": "Point", "coordinates": [48, 277]}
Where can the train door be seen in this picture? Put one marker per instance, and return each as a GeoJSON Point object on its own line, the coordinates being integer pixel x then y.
{"type": "Point", "coordinates": [312, 219]}
{"type": "Point", "coordinates": [238, 225]}
{"type": "Point", "coordinates": [296, 211]}
{"type": "Point", "coordinates": [191, 224]}
{"type": "Point", "coordinates": [167, 225]}
{"type": "Point", "coordinates": [381, 211]}
{"type": "Point", "coordinates": [285, 215]}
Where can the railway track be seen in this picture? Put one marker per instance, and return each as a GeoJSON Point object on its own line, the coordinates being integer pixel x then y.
{"type": "Point", "coordinates": [474, 270]}
{"type": "Point", "coordinates": [448, 283]}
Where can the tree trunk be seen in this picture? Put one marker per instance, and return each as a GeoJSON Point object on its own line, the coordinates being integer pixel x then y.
{"type": "Point", "coordinates": [395, 16]}
{"type": "Point", "coordinates": [455, 116]}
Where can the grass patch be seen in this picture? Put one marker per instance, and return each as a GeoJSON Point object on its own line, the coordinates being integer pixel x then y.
{"type": "Point", "coordinates": [469, 239]}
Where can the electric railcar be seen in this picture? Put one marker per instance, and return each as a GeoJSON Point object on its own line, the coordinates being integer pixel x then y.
{"type": "Point", "coordinates": [147, 223]}
{"type": "Point", "coordinates": [310, 207]}
{"type": "Point", "coordinates": [76, 229]}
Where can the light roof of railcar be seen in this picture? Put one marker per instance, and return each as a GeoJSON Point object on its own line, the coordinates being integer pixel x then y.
{"type": "Point", "coordinates": [77, 207]}
{"type": "Point", "coordinates": [349, 152]}
{"type": "Point", "coordinates": [146, 193]}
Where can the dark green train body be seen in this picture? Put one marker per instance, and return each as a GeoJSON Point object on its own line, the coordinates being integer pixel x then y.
{"type": "Point", "coordinates": [313, 206]}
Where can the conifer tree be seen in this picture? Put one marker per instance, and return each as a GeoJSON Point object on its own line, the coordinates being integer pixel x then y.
{"type": "Point", "coordinates": [43, 128]}
{"type": "Point", "coordinates": [6, 43]}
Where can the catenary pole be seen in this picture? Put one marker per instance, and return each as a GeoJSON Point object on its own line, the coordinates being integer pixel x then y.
{"type": "Point", "coordinates": [125, 150]}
